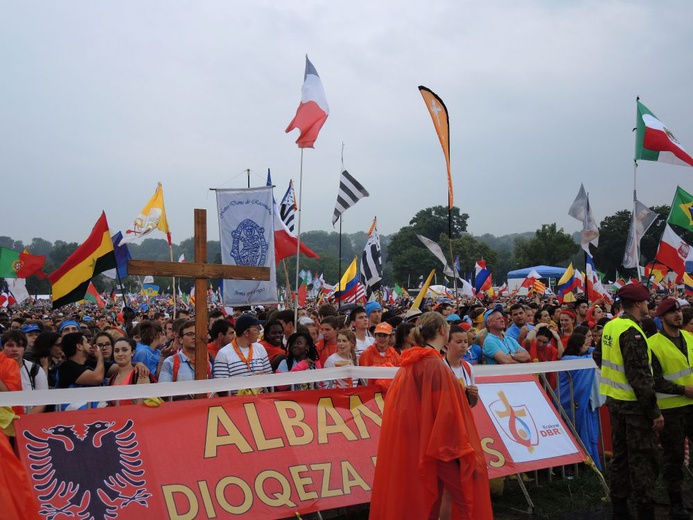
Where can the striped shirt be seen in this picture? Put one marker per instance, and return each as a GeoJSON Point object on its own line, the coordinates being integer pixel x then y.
{"type": "Point", "coordinates": [229, 364]}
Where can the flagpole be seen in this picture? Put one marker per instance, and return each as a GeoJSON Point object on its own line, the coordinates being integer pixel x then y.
{"type": "Point", "coordinates": [635, 198]}
{"type": "Point", "coordinates": [173, 287]}
{"type": "Point", "coordinates": [339, 273]}
{"type": "Point", "coordinates": [452, 258]}
{"type": "Point", "coordinates": [298, 238]}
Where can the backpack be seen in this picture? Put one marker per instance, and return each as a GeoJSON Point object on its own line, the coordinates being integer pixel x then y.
{"type": "Point", "coordinates": [176, 367]}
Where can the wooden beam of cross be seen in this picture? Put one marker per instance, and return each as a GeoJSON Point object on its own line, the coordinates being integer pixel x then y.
{"type": "Point", "coordinates": [201, 271]}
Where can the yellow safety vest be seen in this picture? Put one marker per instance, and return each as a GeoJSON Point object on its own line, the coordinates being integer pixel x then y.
{"type": "Point", "coordinates": [614, 382]}
{"type": "Point", "coordinates": [675, 367]}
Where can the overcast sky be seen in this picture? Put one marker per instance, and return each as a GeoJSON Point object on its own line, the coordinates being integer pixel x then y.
{"type": "Point", "coordinates": [100, 100]}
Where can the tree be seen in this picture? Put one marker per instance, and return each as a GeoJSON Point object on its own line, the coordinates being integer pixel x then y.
{"type": "Point", "coordinates": [408, 256]}
{"type": "Point", "coordinates": [613, 233]}
{"type": "Point", "coordinates": [549, 246]}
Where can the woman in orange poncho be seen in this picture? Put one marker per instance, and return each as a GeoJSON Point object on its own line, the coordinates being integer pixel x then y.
{"type": "Point", "coordinates": [428, 440]}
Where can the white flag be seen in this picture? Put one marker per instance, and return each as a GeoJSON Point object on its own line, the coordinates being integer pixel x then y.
{"type": "Point", "coordinates": [434, 248]}
{"type": "Point", "coordinates": [246, 233]}
{"type": "Point", "coordinates": [643, 217]}
{"type": "Point", "coordinates": [580, 210]}
{"type": "Point", "coordinates": [18, 288]}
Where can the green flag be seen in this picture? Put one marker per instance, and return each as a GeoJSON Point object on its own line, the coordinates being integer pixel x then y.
{"type": "Point", "coordinates": [682, 210]}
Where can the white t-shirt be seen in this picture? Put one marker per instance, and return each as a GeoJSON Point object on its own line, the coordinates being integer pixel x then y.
{"type": "Point", "coordinates": [40, 380]}
{"type": "Point", "coordinates": [335, 360]}
{"type": "Point", "coordinates": [362, 345]}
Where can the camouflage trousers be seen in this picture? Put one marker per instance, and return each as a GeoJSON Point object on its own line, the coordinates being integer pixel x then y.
{"type": "Point", "coordinates": [634, 466]}
{"type": "Point", "coordinates": [678, 424]}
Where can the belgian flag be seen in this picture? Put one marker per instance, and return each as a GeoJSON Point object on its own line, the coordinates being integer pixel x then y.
{"type": "Point", "coordinates": [71, 280]}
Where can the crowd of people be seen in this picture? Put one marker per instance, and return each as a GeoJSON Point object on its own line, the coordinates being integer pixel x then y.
{"type": "Point", "coordinates": [92, 347]}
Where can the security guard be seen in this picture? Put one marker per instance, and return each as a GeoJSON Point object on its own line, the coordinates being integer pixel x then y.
{"type": "Point", "coordinates": [672, 359]}
{"type": "Point", "coordinates": [628, 385]}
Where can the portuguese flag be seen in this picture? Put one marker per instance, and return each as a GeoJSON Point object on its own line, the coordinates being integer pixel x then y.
{"type": "Point", "coordinates": [94, 296]}
{"type": "Point", "coordinates": [20, 265]}
{"type": "Point", "coordinates": [655, 142]}
{"type": "Point", "coordinates": [71, 280]}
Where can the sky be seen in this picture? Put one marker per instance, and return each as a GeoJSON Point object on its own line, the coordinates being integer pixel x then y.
{"type": "Point", "coordinates": [99, 101]}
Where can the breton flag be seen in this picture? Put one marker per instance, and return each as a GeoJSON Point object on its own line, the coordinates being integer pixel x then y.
{"type": "Point", "coordinates": [655, 142]}
{"type": "Point", "coordinates": [312, 112]}
{"type": "Point", "coordinates": [441, 122]}
{"type": "Point", "coordinates": [674, 252]}
{"type": "Point", "coordinates": [287, 208]}
{"type": "Point", "coordinates": [350, 192]}
{"type": "Point", "coordinates": [371, 264]}
{"type": "Point", "coordinates": [640, 222]}
{"type": "Point", "coordinates": [152, 216]}
{"type": "Point", "coordinates": [580, 210]}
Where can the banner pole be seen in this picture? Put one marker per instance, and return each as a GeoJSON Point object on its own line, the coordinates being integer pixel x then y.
{"type": "Point", "coordinates": [298, 238]}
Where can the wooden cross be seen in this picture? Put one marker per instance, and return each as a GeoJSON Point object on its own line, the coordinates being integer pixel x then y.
{"type": "Point", "coordinates": [201, 271]}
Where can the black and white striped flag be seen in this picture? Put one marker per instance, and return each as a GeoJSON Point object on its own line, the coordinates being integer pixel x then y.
{"type": "Point", "coordinates": [350, 192]}
{"type": "Point", "coordinates": [287, 208]}
{"type": "Point", "coordinates": [371, 264]}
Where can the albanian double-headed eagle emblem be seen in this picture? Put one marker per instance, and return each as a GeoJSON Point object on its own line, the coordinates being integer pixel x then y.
{"type": "Point", "coordinates": [89, 476]}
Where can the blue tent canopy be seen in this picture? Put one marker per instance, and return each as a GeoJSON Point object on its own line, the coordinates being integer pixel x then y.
{"type": "Point", "coordinates": [546, 271]}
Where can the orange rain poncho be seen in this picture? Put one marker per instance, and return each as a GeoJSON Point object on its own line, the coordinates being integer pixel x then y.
{"type": "Point", "coordinates": [427, 419]}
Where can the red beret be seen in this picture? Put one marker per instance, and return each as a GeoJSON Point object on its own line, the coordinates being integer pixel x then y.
{"type": "Point", "coordinates": [668, 305]}
{"type": "Point", "coordinates": [635, 292]}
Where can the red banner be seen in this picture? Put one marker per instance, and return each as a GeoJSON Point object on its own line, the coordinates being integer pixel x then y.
{"type": "Point", "coordinates": [265, 456]}
{"type": "Point", "coordinates": [207, 458]}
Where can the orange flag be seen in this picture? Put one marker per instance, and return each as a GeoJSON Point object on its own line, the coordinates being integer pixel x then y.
{"type": "Point", "coordinates": [441, 121]}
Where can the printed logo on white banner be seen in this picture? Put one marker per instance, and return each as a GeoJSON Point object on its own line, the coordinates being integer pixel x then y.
{"type": "Point", "coordinates": [526, 423]}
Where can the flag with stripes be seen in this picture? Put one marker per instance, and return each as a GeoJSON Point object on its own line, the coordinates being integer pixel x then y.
{"type": "Point", "coordinates": [538, 287]}
{"type": "Point", "coordinates": [287, 208]}
{"type": "Point", "coordinates": [350, 192]}
{"type": "Point", "coordinates": [371, 265]}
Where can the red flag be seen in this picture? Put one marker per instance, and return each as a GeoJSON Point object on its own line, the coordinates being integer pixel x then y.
{"type": "Point", "coordinates": [285, 243]}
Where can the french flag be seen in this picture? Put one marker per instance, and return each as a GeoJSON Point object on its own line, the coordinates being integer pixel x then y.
{"type": "Point", "coordinates": [312, 113]}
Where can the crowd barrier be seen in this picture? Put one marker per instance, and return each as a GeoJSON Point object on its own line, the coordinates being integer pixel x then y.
{"type": "Point", "coordinates": [213, 386]}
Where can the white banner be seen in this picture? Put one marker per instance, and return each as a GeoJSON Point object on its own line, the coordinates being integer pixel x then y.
{"type": "Point", "coordinates": [246, 232]}
{"type": "Point", "coordinates": [525, 421]}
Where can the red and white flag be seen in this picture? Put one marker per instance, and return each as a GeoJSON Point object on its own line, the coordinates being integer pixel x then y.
{"type": "Point", "coordinates": [529, 281]}
{"type": "Point", "coordinates": [673, 252]}
{"type": "Point", "coordinates": [284, 242]}
{"type": "Point", "coordinates": [312, 113]}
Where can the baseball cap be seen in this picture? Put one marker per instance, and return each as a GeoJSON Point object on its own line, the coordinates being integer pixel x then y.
{"type": "Point", "coordinates": [31, 327]}
{"type": "Point", "coordinates": [244, 322]}
{"type": "Point", "coordinates": [383, 328]}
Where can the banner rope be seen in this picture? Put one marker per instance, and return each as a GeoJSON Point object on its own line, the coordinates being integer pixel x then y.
{"type": "Point", "coordinates": [212, 386]}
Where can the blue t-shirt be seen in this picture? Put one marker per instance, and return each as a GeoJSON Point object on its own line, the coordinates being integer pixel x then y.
{"type": "Point", "coordinates": [514, 331]}
{"type": "Point", "coordinates": [493, 344]}
{"type": "Point", "coordinates": [147, 356]}
{"type": "Point", "coordinates": [473, 355]}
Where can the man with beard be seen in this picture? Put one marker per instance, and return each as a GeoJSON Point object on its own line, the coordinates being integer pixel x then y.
{"type": "Point", "coordinates": [672, 350]}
